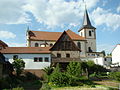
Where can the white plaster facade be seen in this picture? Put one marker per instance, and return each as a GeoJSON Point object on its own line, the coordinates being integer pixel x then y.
{"type": "Point", "coordinates": [116, 55]}
{"type": "Point", "coordinates": [29, 60]}
{"type": "Point", "coordinates": [90, 39]}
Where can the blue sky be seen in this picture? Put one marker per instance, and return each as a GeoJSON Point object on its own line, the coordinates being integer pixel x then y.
{"type": "Point", "coordinates": [57, 16]}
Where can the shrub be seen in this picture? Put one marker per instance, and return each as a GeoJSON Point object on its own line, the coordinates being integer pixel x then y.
{"type": "Point", "coordinates": [74, 69]}
{"type": "Point", "coordinates": [58, 78]}
{"type": "Point", "coordinates": [45, 86]}
{"type": "Point", "coordinates": [115, 75]}
{"type": "Point", "coordinates": [30, 76]}
{"type": "Point", "coordinates": [4, 84]}
{"type": "Point", "coordinates": [18, 88]}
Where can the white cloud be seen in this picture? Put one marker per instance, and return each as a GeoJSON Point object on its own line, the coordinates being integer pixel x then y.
{"type": "Point", "coordinates": [16, 44]}
{"type": "Point", "coordinates": [118, 9]}
{"type": "Point", "coordinates": [108, 48]}
{"type": "Point", "coordinates": [105, 17]}
{"type": "Point", "coordinates": [7, 34]}
{"type": "Point", "coordinates": [12, 12]}
{"type": "Point", "coordinates": [58, 12]}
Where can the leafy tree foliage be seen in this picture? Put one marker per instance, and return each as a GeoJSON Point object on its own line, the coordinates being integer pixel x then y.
{"type": "Point", "coordinates": [18, 65]}
{"type": "Point", "coordinates": [74, 69]}
{"type": "Point", "coordinates": [115, 75]}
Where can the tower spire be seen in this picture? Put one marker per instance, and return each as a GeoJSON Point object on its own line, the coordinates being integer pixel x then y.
{"type": "Point", "coordinates": [86, 21]}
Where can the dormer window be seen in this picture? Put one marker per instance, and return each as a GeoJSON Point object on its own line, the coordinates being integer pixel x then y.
{"type": "Point", "coordinates": [90, 33]}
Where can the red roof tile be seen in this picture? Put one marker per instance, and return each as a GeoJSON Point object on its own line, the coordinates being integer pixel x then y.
{"type": "Point", "coordinates": [42, 35]}
{"type": "Point", "coordinates": [25, 50]}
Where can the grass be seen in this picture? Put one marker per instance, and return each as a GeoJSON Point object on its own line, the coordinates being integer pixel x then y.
{"type": "Point", "coordinates": [81, 88]}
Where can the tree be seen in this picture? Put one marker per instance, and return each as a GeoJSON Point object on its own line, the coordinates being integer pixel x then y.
{"type": "Point", "coordinates": [18, 66]}
{"type": "Point", "coordinates": [74, 69]}
{"type": "Point", "coordinates": [103, 52]}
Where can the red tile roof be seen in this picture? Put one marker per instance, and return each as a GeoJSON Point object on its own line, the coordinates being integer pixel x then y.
{"type": "Point", "coordinates": [26, 50]}
{"type": "Point", "coordinates": [53, 36]}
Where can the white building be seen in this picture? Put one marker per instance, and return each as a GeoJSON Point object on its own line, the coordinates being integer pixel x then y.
{"type": "Point", "coordinates": [116, 55]}
{"type": "Point", "coordinates": [35, 58]}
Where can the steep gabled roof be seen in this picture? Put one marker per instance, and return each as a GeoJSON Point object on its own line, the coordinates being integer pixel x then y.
{"type": "Point", "coordinates": [86, 22]}
{"type": "Point", "coordinates": [53, 36]}
{"type": "Point", "coordinates": [3, 44]}
{"type": "Point", "coordinates": [25, 50]}
{"type": "Point", "coordinates": [65, 43]}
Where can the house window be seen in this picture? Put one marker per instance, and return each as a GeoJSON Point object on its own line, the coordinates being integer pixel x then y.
{"type": "Point", "coordinates": [58, 55]}
{"type": "Point", "coordinates": [51, 45]}
{"type": "Point", "coordinates": [90, 33]}
{"type": "Point", "coordinates": [15, 57]}
{"type": "Point", "coordinates": [68, 55]}
{"type": "Point", "coordinates": [89, 49]}
{"type": "Point", "coordinates": [105, 59]}
{"type": "Point", "coordinates": [36, 44]}
{"type": "Point", "coordinates": [79, 44]}
{"type": "Point", "coordinates": [40, 59]}
{"type": "Point", "coordinates": [35, 59]}
{"type": "Point", "coordinates": [46, 59]}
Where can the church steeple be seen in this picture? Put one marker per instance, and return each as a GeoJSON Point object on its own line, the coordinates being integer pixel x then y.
{"type": "Point", "coordinates": [86, 22]}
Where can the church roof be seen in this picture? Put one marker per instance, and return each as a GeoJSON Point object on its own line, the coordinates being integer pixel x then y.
{"type": "Point", "coordinates": [86, 22]}
{"type": "Point", "coordinates": [25, 50]}
{"type": "Point", "coordinates": [53, 36]}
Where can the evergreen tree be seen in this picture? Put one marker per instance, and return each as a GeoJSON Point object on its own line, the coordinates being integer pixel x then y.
{"type": "Point", "coordinates": [18, 66]}
{"type": "Point", "coordinates": [74, 69]}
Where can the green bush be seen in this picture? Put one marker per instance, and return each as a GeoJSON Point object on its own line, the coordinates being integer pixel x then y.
{"type": "Point", "coordinates": [45, 86]}
{"type": "Point", "coordinates": [74, 69]}
{"type": "Point", "coordinates": [58, 78]}
{"type": "Point", "coordinates": [4, 84]}
{"type": "Point", "coordinates": [30, 76]}
{"type": "Point", "coordinates": [18, 88]}
{"type": "Point", "coordinates": [115, 75]}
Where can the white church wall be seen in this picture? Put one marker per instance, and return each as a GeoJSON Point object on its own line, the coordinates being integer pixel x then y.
{"type": "Point", "coordinates": [91, 43]}
{"type": "Point", "coordinates": [29, 60]}
{"type": "Point", "coordinates": [83, 48]}
{"type": "Point", "coordinates": [41, 42]}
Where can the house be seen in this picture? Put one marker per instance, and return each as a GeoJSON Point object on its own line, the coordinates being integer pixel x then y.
{"type": "Point", "coordinates": [116, 56]}
{"type": "Point", "coordinates": [35, 58]}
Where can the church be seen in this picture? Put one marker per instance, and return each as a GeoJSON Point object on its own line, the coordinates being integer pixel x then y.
{"type": "Point", "coordinates": [85, 41]}
{"type": "Point", "coordinates": [49, 48]}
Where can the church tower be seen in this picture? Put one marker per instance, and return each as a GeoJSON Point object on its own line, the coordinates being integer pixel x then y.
{"type": "Point", "coordinates": [89, 32]}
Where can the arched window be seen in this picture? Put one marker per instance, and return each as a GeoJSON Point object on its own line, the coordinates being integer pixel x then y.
{"type": "Point", "coordinates": [90, 33]}
{"type": "Point", "coordinates": [51, 45]}
{"type": "Point", "coordinates": [89, 49]}
{"type": "Point", "coordinates": [79, 44]}
{"type": "Point", "coordinates": [36, 44]}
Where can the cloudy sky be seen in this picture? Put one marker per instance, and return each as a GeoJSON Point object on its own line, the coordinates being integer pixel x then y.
{"type": "Point", "coordinates": [57, 16]}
